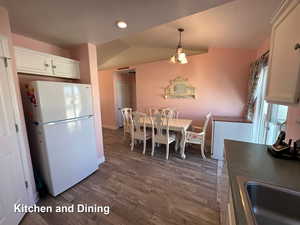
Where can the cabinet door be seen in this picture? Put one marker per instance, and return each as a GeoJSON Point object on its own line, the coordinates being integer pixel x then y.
{"type": "Point", "coordinates": [284, 75]}
{"type": "Point", "coordinates": [12, 183]}
{"type": "Point", "coordinates": [32, 62]}
{"type": "Point", "coordinates": [229, 130]}
{"type": "Point", "coordinates": [63, 67]}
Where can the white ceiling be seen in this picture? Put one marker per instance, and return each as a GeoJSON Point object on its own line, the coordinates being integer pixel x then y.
{"type": "Point", "coordinates": [238, 24]}
{"type": "Point", "coordinates": [68, 22]}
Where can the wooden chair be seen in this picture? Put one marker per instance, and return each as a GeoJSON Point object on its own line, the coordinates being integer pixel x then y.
{"type": "Point", "coordinates": [198, 138]}
{"type": "Point", "coordinates": [161, 133]}
{"type": "Point", "coordinates": [126, 114]}
{"type": "Point", "coordinates": [152, 111]}
{"type": "Point", "coordinates": [170, 113]}
{"type": "Point", "coordinates": [138, 129]}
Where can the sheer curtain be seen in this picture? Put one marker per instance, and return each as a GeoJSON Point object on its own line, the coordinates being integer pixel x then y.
{"type": "Point", "coordinates": [261, 108]}
{"type": "Point", "coordinates": [256, 71]}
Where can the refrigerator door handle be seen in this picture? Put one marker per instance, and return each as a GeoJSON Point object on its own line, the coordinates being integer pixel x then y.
{"type": "Point", "coordinates": [69, 120]}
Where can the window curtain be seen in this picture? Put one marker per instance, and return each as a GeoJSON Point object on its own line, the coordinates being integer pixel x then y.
{"type": "Point", "coordinates": [255, 71]}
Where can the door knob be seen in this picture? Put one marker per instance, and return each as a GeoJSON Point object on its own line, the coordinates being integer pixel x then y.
{"type": "Point", "coordinates": [297, 46]}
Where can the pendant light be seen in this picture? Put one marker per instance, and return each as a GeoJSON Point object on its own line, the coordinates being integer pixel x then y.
{"type": "Point", "coordinates": [180, 56]}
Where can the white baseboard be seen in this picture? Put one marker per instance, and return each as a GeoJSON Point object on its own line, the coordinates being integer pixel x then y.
{"type": "Point", "coordinates": [110, 127]}
{"type": "Point", "coordinates": [100, 160]}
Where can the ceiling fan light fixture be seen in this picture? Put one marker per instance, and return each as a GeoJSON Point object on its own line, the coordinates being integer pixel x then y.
{"type": "Point", "coordinates": [180, 56]}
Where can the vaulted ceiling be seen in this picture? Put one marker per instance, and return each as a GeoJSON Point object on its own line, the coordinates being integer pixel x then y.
{"type": "Point", "coordinates": [237, 24]}
{"type": "Point", "coordinates": [152, 25]}
{"type": "Point", "coordinates": [69, 22]}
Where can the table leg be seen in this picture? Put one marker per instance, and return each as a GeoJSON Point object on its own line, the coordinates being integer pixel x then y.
{"type": "Point", "coordinates": [182, 147]}
{"type": "Point", "coordinates": [177, 143]}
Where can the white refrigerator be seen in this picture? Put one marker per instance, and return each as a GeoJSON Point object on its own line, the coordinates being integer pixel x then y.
{"type": "Point", "coordinates": [62, 126]}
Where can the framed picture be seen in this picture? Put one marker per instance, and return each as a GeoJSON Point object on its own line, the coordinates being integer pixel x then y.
{"type": "Point", "coordinates": [180, 88]}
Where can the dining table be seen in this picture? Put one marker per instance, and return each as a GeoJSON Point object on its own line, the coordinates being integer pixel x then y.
{"type": "Point", "coordinates": [176, 125]}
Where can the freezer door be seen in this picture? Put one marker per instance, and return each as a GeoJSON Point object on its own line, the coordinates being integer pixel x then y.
{"type": "Point", "coordinates": [60, 101]}
{"type": "Point", "coordinates": [71, 151]}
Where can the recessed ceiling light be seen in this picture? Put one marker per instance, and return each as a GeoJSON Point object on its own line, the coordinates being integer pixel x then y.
{"type": "Point", "coordinates": [121, 24]}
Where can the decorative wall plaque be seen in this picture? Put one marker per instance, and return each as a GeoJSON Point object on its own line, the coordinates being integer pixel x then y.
{"type": "Point", "coordinates": [180, 88]}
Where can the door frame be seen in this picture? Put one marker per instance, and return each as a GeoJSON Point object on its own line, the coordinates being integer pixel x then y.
{"type": "Point", "coordinates": [32, 195]}
{"type": "Point", "coordinates": [119, 118]}
{"type": "Point", "coordinates": [118, 123]}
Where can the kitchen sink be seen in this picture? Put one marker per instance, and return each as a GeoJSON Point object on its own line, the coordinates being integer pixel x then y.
{"type": "Point", "coordinates": [266, 204]}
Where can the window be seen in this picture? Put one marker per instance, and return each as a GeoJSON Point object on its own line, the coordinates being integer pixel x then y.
{"type": "Point", "coordinates": [268, 118]}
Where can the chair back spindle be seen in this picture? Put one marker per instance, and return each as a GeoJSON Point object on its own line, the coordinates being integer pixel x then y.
{"type": "Point", "coordinates": [138, 123]}
{"type": "Point", "coordinates": [126, 115]}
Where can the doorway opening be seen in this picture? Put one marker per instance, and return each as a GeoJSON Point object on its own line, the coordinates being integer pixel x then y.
{"type": "Point", "coordinates": [125, 92]}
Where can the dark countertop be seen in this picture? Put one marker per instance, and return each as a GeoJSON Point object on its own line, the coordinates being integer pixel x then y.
{"type": "Point", "coordinates": [231, 119]}
{"type": "Point", "coordinates": [253, 161]}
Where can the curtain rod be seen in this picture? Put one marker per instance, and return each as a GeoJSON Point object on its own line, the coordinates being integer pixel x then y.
{"type": "Point", "coordinates": [266, 53]}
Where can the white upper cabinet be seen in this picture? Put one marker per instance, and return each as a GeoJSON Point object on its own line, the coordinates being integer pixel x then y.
{"type": "Point", "coordinates": [34, 62]}
{"type": "Point", "coordinates": [284, 70]}
{"type": "Point", "coordinates": [63, 67]}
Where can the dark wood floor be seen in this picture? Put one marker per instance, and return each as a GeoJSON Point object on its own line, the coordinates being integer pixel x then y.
{"type": "Point", "coordinates": [141, 190]}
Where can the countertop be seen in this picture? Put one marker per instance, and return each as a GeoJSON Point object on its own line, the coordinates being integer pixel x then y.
{"type": "Point", "coordinates": [253, 161]}
{"type": "Point", "coordinates": [231, 119]}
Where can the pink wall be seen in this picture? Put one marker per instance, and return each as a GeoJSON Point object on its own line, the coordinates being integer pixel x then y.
{"type": "Point", "coordinates": [220, 78]}
{"type": "Point", "coordinates": [81, 53]}
{"type": "Point", "coordinates": [25, 42]}
{"type": "Point", "coordinates": [108, 110]}
{"type": "Point", "coordinates": [87, 54]}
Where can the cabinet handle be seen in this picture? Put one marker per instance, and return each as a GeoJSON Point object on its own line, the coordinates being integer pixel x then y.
{"type": "Point", "coordinates": [46, 64]}
{"type": "Point", "coordinates": [297, 46]}
{"type": "Point", "coordinates": [54, 67]}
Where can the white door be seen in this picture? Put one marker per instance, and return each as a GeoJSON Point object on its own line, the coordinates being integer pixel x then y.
{"type": "Point", "coordinates": [64, 67]}
{"type": "Point", "coordinates": [12, 181]}
{"type": "Point", "coordinates": [32, 62]}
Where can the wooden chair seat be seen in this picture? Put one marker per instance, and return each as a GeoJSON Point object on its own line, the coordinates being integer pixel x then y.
{"type": "Point", "coordinates": [162, 139]}
{"type": "Point", "coordinates": [126, 115]}
{"type": "Point", "coordinates": [141, 136]}
{"type": "Point", "coordinates": [194, 138]}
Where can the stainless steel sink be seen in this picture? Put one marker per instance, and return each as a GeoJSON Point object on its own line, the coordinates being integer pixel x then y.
{"type": "Point", "coordinates": [266, 204]}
